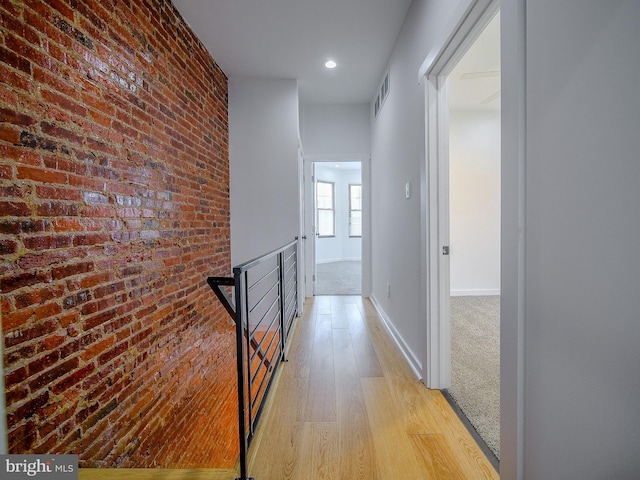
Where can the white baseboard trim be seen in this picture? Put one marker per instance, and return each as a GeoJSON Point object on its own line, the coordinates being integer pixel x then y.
{"type": "Point", "coordinates": [475, 293]}
{"type": "Point", "coordinates": [411, 359]}
{"type": "Point", "coordinates": [333, 260]}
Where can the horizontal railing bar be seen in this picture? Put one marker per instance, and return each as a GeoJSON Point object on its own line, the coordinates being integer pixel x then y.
{"type": "Point", "coordinates": [261, 321]}
{"type": "Point", "coordinates": [259, 302]}
{"type": "Point", "coordinates": [273, 338]}
{"type": "Point", "coordinates": [257, 397]}
{"type": "Point", "coordinates": [290, 256]}
{"type": "Point", "coordinates": [289, 302]}
{"type": "Point", "coordinates": [290, 270]}
{"type": "Point", "coordinates": [261, 279]}
{"type": "Point", "coordinates": [270, 328]}
{"type": "Point", "coordinates": [290, 310]}
{"type": "Point", "coordinates": [257, 261]}
{"type": "Point", "coordinates": [261, 406]}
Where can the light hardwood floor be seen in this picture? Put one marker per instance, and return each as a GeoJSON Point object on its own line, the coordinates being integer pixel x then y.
{"type": "Point", "coordinates": [347, 406]}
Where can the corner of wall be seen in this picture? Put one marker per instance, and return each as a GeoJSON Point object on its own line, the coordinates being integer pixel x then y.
{"type": "Point", "coordinates": [413, 362]}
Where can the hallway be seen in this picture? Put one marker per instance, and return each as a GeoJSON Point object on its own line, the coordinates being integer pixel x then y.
{"type": "Point", "coordinates": [346, 405]}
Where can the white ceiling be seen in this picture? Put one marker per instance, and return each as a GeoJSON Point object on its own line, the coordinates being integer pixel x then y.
{"type": "Point", "coordinates": [293, 38]}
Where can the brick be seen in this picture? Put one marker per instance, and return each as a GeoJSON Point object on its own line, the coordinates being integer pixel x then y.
{"type": "Point", "coordinates": [14, 227]}
{"type": "Point", "coordinates": [47, 242]}
{"type": "Point", "coordinates": [27, 409]}
{"type": "Point", "coordinates": [113, 353]}
{"type": "Point", "coordinates": [73, 379]}
{"type": "Point", "coordinates": [36, 297]}
{"type": "Point", "coordinates": [17, 337]}
{"type": "Point", "coordinates": [47, 310]}
{"type": "Point", "coordinates": [69, 270]}
{"type": "Point", "coordinates": [57, 209]}
{"type": "Point", "coordinates": [63, 102]}
{"type": "Point", "coordinates": [39, 175]}
{"type": "Point", "coordinates": [8, 284]}
{"type": "Point", "coordinates": [15, 61]}
{"type": "Point", "coordinates": [116, 196]}
{"type": "Point", "coordinates": [15, 209]}
{"type": "Point", "coordinates": [99, 319]}
{"type": "Point", "coordinates": [57, 193]}
{"type": "Point", "coordinates": [43, 259]}
{"type": "Point", "coordinates": [77, 299]}
{"type": "Point", "coordinates": [96, 349]}
{"type": "Point", "coordinates": [54, 373]}
{"type": "Point", "coordinates": [42, 363]}
{"type": "Point", "coordinates": [16, 118]}
{"type": "Point", "coordinates": [15, 319]}
{"type": "Point", "coordinates": [91, 239]}
{"type": "Point", "coordinates": [8, 247]}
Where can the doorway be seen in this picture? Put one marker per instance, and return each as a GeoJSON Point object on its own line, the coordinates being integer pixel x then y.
{"type": "Point", "coordinates": [338, 204]}
{"type": "Point", "coordinates": [452, 227]}
{"type": "Point", "coordinates": [473, 99]}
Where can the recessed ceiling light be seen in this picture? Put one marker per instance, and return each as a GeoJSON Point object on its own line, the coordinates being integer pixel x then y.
{"type": "Point", "coordinates": [330, 64]}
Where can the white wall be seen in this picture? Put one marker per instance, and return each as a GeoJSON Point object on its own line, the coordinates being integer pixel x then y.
{"type": "Point", "coordinates": [580, 280]}
{"type": "Point", "coordinates": [397, 155]}
{"type": "Point", "coordinates": [474, 179]}
{"type": "Point", "coordinates": [570, 230]}
{"type": "Point", "coordinates": [341, 247]}
{"type": "Point", "coordinates": [337, 132]}
{"type": "Point", "coordinates": [263, 150]}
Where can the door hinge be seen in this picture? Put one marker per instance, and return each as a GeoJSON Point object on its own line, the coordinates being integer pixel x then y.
{"type": "Point", "coordinates": [445, 250]}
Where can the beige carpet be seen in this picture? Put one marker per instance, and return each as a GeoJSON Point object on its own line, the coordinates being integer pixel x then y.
{"type": "Point", "coordinates": [339, 278]}
{"type": "Point", "coordinates": [475, 364]}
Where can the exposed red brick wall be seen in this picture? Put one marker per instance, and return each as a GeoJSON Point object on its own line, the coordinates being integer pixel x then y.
{"type": "Point", "coordinates": [114, 207]}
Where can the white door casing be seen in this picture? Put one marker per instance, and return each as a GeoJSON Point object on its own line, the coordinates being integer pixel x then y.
{"type": "Point", "coordinates": [470, 18]}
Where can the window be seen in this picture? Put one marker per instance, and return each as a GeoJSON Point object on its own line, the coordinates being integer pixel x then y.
{"type": "Point", "coordinates": [325, 201]}
{"type": "Point", "coordinates": [355, 210]}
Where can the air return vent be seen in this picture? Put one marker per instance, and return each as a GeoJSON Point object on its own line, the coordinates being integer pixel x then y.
{"type": "Point", "coordinates": [383, 91]}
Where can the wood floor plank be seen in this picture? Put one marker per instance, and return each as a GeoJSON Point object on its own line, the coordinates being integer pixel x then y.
{"type": "Point", "coordinates": [377, 428]}
{"type": "Point", "coordinates": [407, 390]}
{"type": "Point", "coordinates": [357, 455]}
{"type": "Point", "coordinates": [323, 305]}
{"type": "Point", "coordinates": [298, 353]}
{"type": "Point", "coordinates": [321, 397]}
{"type": "Point", "coordinates": [321, 458]}
{"type": "Point", "coordinates": [279, 434]}
{"type": "Point", "coordinates": [366, 357]}
{"type": "Point", "coordinates": [435, 457]}
{"type": "Point", "coordinates": [394, 452]}
{"type": "Point", "coordinates": [470, 458]}
{"type": "Point", "coordinates": [339, 315]}
{"type": "Point", "coordinates": [155, 474]}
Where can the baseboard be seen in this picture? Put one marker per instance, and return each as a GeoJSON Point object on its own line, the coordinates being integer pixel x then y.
{"type": "Point", "coordinates": [334, 260]}
{"type": "Point", "coordinates": [475, 293]}
{"type": "Point", "coordinates": [414, 363]}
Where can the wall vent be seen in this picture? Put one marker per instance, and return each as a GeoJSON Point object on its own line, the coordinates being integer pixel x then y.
{"type": "Point", "coordinates": [383, 91]}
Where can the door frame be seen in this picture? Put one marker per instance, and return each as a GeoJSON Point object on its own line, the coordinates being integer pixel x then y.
{"type": "Point", "coordinates": [309, 217]}
{"type": "Point", "coordinates": [469, 20]}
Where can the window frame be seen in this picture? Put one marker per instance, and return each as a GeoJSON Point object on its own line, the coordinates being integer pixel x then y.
{"type": "Point", "coordinates": [351, 209]}
{"type": "Point", "coordinates": [332, 209]}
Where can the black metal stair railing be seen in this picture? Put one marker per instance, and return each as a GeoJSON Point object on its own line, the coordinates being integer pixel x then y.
{"type": "Point", "coordinates": [264, 306]}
